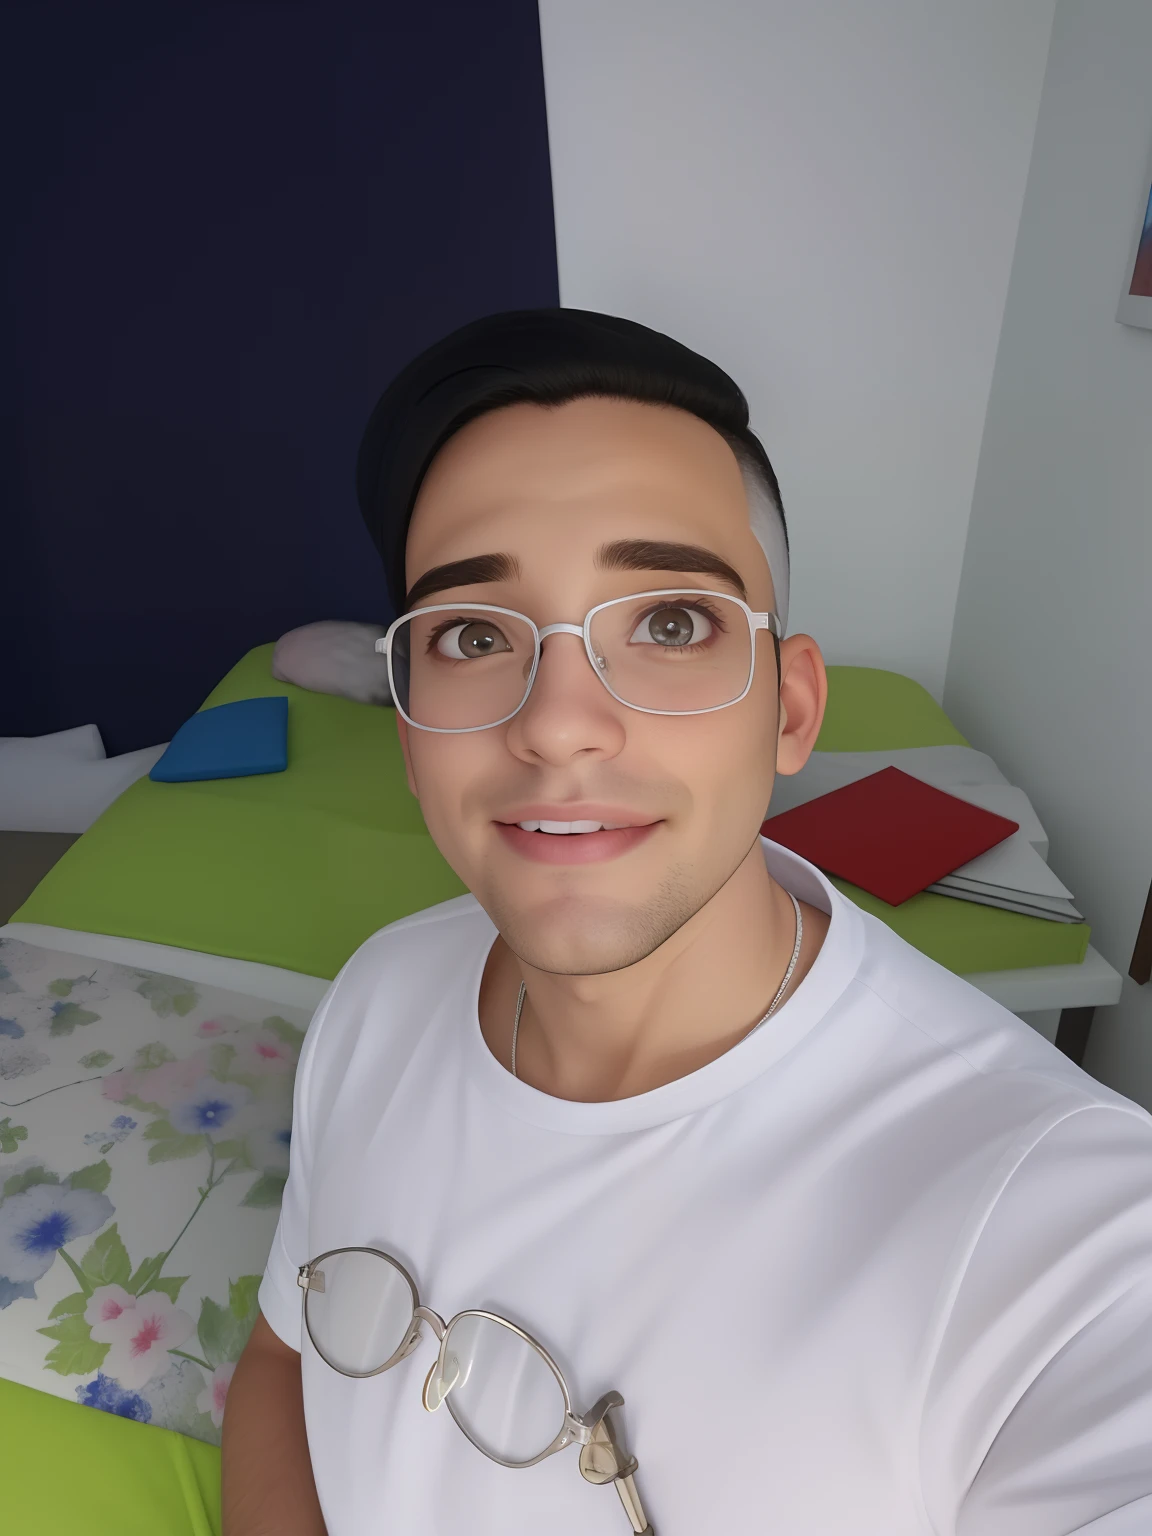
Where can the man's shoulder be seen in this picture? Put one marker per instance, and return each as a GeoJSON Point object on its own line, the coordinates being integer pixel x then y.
{"type": "Point", "coordinates": [996, 1054]}
{"type": "Point", "coordinates": [416, 974]}
{"type": "Point", "coordinates": [415, 964]}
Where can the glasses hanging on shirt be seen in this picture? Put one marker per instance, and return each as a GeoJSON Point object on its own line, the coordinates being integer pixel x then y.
{"type": "Point", "coordinates": [501, 1386]}
{"type": "Point", "coordinates": [465, 667]}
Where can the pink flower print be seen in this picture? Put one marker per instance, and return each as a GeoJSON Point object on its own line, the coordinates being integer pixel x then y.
{"type": "Point", "coordinates": [217, 1028]}
{"type": "Point", "coordinates": [106, 1304]}
{"type": "Point", "coordinates": [264, 1053]}
{"type": "Point", "coordinates": [165, 1085]}
{"type": "Point", "coordinates": [213, 1397]}
{"type": "Point", "coordinates": [140, 1331]}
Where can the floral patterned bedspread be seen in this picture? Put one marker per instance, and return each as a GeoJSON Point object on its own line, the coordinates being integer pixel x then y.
{"type": "Point", "coordinates": [144, 1129]}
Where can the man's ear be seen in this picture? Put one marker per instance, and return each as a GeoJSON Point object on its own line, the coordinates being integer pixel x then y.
{"type": "Point", "coordinates": [803, 695]}
{"type": "Point", "coordinates": [402, 732]}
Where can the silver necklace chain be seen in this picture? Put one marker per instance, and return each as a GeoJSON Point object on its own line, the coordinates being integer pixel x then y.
{"type": "Point", "coordinates": [780, 991]}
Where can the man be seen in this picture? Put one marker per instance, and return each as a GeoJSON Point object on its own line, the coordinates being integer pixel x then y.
{"type": "Point", "coordinates": [863, 1255]}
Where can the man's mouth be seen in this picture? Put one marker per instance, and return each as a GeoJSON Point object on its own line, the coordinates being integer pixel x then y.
{"type": "Point", "coordinates": [566, 828]}
{"type": "Point", "coordinates": [581, 840]}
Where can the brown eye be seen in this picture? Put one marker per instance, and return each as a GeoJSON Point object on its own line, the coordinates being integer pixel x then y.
{"type": "Point", "coordinates": [673, 627]}
{"type": "Point", "coordinates": [465, 642]}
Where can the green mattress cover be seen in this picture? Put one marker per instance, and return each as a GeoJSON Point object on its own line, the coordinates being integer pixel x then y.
{"type": "Point", "coordinates": [874, 711]}
{"type": "Point", "coordinates": [72, 1471]}
{"type": "Point", "coordinates": [296, 869]}
{"type": "Point", "coordinates": [967, 938]}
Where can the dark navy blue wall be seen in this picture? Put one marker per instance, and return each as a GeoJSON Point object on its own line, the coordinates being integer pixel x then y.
{"type": "Point", "coordinates": [232, 223]}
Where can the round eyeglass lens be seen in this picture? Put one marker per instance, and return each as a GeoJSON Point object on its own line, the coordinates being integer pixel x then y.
{"type": "Point", "coordinates": [504, 1395]}
{"type": "Point", "coordinates": [461, 668]}
{"type": "Point", "coordinates": [678, 652]}
{"type": "Point", "coordinates": [358, 1309]}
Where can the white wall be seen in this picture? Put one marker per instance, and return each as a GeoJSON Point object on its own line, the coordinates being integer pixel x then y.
{"type": "Point", "coordinates": [823, 197]}
{"type": "Point", "coordinates": [1051, 667]}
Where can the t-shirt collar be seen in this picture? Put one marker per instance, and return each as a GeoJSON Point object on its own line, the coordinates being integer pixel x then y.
{"type": "Point", "coordinates": [834, 968]}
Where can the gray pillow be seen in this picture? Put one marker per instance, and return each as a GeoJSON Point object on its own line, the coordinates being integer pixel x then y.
{"type": "Point", "coordinates": [334, 657]}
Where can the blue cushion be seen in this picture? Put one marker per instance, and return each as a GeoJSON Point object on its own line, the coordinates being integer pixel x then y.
{"type": "Point", "coordinates": [231, 741]}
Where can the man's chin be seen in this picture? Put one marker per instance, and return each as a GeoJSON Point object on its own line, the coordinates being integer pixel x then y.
{"type": "Point", "coordinates": [587, 937]}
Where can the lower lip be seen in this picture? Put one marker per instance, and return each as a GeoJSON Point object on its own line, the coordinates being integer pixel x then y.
{"type": "Point", "coordinates": [573, 847]}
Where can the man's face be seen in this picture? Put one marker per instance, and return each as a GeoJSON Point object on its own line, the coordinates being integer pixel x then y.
{"type": "Point", "coordinates": [550, 488]}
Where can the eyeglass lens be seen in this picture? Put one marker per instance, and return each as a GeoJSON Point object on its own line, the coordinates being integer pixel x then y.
{"type": "Point", "coordinates": [360, 1317]}
{"type": "Point", "coordinates": [504, 1396]}
{"type": "Point", "coordinates": [465, 668]}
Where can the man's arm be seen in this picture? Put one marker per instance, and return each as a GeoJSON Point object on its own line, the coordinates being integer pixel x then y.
{"type": "Point", "coordinates": [267, 1474]}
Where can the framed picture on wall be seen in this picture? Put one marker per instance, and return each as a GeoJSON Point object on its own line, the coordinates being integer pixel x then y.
{"type": "Point", "coordinates": [1136, 303]}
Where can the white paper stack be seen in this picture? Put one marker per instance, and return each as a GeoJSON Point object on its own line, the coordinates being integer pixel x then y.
{"type": "Point", "coordinates": [1014, 875]}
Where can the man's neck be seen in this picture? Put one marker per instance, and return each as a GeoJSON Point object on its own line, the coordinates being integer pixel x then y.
{"type": "Point", "coordinates": [597, 1038]}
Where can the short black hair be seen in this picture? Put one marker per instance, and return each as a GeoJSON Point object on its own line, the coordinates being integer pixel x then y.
{"type": "Point", "coordinates": [533, 356]}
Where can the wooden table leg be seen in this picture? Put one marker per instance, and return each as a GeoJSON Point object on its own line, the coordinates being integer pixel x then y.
{"type": "Point", "coordinates": [1072, 1032]}
{"type": "Point", "coordinates": [1141, 968]}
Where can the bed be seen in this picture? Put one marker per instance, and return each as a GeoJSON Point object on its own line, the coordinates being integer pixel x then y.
{"type": "Point", "coordinates": [164, 970]}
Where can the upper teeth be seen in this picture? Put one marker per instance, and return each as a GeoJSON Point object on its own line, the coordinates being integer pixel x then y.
{"type": "Point", "coordinates": [568, 826]}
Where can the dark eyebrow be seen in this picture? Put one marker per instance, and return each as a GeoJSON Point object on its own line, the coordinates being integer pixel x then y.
{"type": "Point", "coordinates": [655, 555]}
{"type": "Point", "coordinates": [464, 573]}
{"type": "Point", "coordinates": [621, 555]}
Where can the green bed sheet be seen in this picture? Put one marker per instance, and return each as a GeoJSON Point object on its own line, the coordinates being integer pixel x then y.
{"type": "Point", "coordinates": [296, 869]}
{"type": "Point", "coordinates": [72, 1471]}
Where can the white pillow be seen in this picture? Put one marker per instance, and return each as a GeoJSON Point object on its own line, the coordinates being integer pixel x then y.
{"type": "Point", "coordinates": [47, 790]}
{"type": "Point", "coordinates": [82, 741]}
{"type": "Point", "coordinates": [334, 657]}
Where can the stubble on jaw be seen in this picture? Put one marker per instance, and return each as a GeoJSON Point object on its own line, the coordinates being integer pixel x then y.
{"type": "Point", "coordinates": [574, 936]}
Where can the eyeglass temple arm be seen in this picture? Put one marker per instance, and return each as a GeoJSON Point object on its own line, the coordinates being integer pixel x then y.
{"type": "Point", "coordinates": [604, 1460]}
{"type": "Point", "coordinates": [626, 1488]}
{"type": "Point", "coordinates": [771, 622]}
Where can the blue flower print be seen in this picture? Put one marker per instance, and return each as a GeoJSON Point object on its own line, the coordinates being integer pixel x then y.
{"type": "Point", "coordinates": [34, 1224]}
{"type": "Point", "coordinates": [268, 1148]}
{"type": "Point", "coordinates": [121, 1127]}
{"type": "Point", "coordinates": [208, 1108]}
{"type": "Point", "coordinates": [10, 1028]}
{"type": "Point", "coordinates": [109, 1396]}
{"type": "Point", "coordinates": [10, 1292]}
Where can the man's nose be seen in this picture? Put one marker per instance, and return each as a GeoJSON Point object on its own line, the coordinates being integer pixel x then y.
{"type": "Point", "coordinates": [568, 710]}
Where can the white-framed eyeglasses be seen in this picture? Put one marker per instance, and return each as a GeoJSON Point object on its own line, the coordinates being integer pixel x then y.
{"type": "Point", "coordinates": [456, 667]}
{"type": "Point", "coordinates": [363, 1314]}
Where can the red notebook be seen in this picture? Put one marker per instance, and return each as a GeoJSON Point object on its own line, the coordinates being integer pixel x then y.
{"type": "Point", "coordinates": [890, 834]}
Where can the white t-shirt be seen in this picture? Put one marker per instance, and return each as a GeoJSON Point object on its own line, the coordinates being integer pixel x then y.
{"type": "Point", "coordinates": [883, 1268]}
